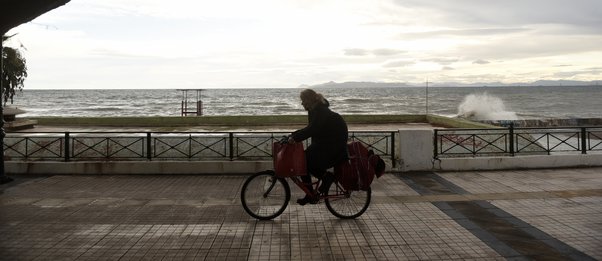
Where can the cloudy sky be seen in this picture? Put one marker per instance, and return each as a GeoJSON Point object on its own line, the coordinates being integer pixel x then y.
{"type": "Point", "coordinates": [286, 43]}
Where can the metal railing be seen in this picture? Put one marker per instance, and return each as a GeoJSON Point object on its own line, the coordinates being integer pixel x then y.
{"type": "Point", "coordinates": [516, 141]}
{"type": "Point", "coordinates": [189, 146]}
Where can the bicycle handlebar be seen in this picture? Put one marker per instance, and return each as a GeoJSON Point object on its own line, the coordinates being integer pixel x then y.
{"type": "Point", "coordinates": [284, 139]}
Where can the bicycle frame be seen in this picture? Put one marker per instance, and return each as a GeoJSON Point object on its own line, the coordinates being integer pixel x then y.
{"type": "Point", "coordinates": [297, 180]}
{"type": "Point", "coordinates": [340, 191]}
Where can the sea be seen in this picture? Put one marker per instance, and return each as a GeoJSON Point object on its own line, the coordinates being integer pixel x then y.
{"type": "Point", "coordinates": [480, 103]}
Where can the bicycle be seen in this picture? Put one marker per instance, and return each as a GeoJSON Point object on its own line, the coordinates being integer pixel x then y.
{"type": "Point", "coordinates": [265, 196]}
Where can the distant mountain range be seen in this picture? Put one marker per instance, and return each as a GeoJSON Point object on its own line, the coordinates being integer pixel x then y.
{"type": "Point", "coordinates": [332, 84]}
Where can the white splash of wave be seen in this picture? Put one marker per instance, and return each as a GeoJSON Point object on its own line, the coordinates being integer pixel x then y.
{"type": "Point", "coordinates": [484, 107]}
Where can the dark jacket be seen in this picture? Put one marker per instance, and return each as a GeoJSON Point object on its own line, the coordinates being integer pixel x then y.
{"type": "Point", "coordinates": [328, 133]}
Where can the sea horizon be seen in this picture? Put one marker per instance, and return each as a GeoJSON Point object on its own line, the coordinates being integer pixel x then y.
{"type": "Point", "coordinates": [486, 103]}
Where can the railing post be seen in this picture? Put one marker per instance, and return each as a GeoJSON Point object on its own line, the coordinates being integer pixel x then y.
{"type": "Point", "coordinates": [67, 146]}
{"type": "Point", "coordinates": [189, 146]}
{"type": "Point", "coordinates": [393, 149]}
{"type": "Point", "coordinates": [548, 143]}
{"type": "Point", "coordinates": [583, 140]}
{"type": "Point", "coordinates": [511, 138]}
{"type": "Point", "coordinates": [435, 145]}
{"type": "Point", "coordinates": [148, 146]}
{"type": "Point", "coordinates": [231, 141]}
{"type": "Point", "coordinates": [474, 144]}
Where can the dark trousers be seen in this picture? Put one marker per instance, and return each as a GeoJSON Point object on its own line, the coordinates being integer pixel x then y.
{"type": "Point", "coordinates": [318, 173]}
{"type": "Point", "coordinates": [318, 160]}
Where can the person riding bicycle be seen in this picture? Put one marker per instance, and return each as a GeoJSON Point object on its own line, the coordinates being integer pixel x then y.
{"type": "Point", "coordinates": [329, 134]}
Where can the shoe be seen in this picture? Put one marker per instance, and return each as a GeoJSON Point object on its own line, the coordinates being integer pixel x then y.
{"type": "Point", "coordinates": [307, 199]}
{"type": "Point", "coordinates": [326, 182]}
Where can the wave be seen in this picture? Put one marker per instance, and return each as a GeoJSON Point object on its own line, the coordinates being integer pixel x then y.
{"type": "Point", "coordinates": [356, 100]}
{"type": "Point", "coordinates": [484, 107]}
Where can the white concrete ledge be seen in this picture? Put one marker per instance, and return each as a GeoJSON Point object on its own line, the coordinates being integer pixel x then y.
{"type": "Point", "coordinates": [417, 154]}
{"type": "Point", "coordinates": [518, 162]}
{"type": "Point", "coordinates": [136, 167]}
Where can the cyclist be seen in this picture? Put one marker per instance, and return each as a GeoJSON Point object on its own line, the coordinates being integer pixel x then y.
{"type": "Point", "coordinates": [328, 132]}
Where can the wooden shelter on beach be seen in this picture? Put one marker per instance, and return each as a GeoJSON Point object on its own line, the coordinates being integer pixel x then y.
{"type": "Point", "coordinates": [190, 105]}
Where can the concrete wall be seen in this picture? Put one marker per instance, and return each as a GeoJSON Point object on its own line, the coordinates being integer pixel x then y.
{"type": "Point", "coordinates": [416, 149]}
{"type": "Point", "coordinates": [575, 122]}
{"type": "Point", "coordinates": [136, 167]}
{"type": "Point", "coordinates": [416, 154]}
{"type": "Point", "coordinates": [519, 162]}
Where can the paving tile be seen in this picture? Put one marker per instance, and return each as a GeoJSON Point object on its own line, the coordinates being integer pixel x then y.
{"type": "Point", "coordinates": [196, 217]}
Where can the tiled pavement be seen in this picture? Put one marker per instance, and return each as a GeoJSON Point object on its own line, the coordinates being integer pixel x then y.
{"type": "Point", "coordinates": [493, 215]}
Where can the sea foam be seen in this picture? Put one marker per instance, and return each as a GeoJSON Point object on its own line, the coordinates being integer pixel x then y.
{"type": "Point", "coordinates": [483, 106]}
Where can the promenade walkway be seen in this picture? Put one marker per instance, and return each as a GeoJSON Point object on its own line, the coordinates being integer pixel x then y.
{"type": "Point", "coordinates": [548, 214]}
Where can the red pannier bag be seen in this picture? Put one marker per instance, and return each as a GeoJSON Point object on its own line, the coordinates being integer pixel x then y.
{"type": "Point", "coordinates": [358, 172]}
{"type": "Point", "coordinates": [289, 159]}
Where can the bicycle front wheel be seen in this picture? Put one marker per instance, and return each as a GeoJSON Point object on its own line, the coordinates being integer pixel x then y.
{"type": "Point", "coordinates": [265, 196]}
{"type": "Point", "coordinates": [347, 204]}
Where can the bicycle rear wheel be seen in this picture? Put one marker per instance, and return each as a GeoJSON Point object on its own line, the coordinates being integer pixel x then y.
{"type": "Point", "coordinates": [265, 196]}
{"type": "Point", "coordinates": [347, 204]}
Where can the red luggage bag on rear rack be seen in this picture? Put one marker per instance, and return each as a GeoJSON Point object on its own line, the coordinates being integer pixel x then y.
{"type": "Point", "coordinates": [358, 172]}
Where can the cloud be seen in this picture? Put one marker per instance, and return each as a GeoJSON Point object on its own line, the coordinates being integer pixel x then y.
{"type": "Point", "coordinates": [448, 68]}
{"type": "Point", "coordinates": [401, 63]}
{"type": "Point", "coordinates": [531, 47]}
{"type": "Point", "coordinates": [386, 52]}
{"type": "Point", "coordinates": [118, 54]}
{"type": "Point", "coordinates": [579, 13]}
{"type": "Point", "coordinates": [375, 52]}
{"type": "Point", "coordinates": [444, 61]}
{"type": "Point", "coordinates": [462, 32]}
{"type": "Point", "coordinates": [480, 61]}
{"type": "Point", "coordinates": [570, 74]}
{"type": "Point", "coordinates": [356, 52]}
